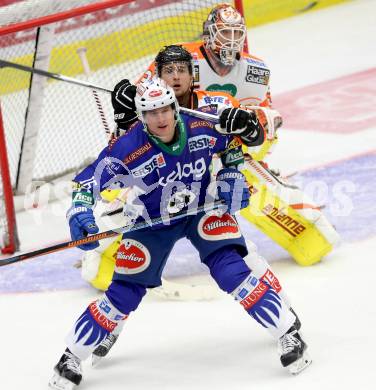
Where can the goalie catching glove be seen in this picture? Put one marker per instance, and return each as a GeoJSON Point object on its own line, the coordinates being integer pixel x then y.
{"type": "Point", "coordinates": [122, 99]}
{"type": "Point", "coordinates": [245, 124]}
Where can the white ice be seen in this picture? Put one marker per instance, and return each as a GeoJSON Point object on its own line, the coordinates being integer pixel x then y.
{"type": "Point", "coordinates": [214, 344]}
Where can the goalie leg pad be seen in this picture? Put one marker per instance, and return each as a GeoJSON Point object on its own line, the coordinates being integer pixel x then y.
{"type": "Point", "coordinates": [286, 215]}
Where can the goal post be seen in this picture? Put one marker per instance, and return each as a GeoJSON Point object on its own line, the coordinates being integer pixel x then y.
{"type": "Point", "coordinates": [8, 226]}
{"type": "Point", "coordinates": [51, 128]}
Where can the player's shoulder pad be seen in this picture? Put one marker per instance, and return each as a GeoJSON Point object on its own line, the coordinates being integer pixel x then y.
{"type": "Point", "coordinates": [126, 142]}
{"type": "Point", "coordinates": [192, 122]}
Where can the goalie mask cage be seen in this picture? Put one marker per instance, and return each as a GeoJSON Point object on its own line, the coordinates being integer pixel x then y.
{"type": "Point", "coordinates": [50, 129]}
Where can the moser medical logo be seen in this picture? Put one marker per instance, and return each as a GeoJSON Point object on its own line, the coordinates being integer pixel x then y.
{"type": "Point", "coordinates": [196, 170]}
{"type": "Point", "coordinates": [201, 142]}
{"type": "Point", "coordinates": [157, 161]}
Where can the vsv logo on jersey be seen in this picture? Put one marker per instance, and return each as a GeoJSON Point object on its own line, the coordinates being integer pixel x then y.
{"type": "Point", "coordinates": [201, 142]}
{"type": "Point", "coordinates": [185, 170]}
{"type": "Point", "coordinates": [157, 161]}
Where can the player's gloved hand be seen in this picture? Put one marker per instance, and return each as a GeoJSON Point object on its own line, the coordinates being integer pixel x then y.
{"type": "Point", "coordinates": [232, 189]}
{"type": "Point", "coordinates": [81, 223]}
{"type": "Point", "coordinates": [122, 99]}
{"type": "Point", "coordinates": [236, 121]}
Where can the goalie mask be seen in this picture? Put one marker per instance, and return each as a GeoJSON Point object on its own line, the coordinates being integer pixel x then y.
{"type": "Point", "coordinates": [224, 33]}
{"type": "Point", "coordinates": [173, 54]}
{"type": "Point", "coordinates": [153, 94]}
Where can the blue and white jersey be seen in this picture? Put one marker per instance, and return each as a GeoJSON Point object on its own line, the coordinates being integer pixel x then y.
{"type": "Point", "coordinates": [164, 173]}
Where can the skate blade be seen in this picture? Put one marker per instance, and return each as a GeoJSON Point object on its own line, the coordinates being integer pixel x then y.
{"type": "Point", "coordinates": [95, 360]}
{"type": "Point", "coordinates": [59, 383]}
{"type": "Point", "coordinates": [300, 365]}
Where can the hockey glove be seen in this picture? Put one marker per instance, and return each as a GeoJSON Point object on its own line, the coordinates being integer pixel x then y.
{"type": "Point", "coordinates": [235, 121]}
{"type": "Point", "coordinates": [122, 99]}
{"type": "Point", "coordinates": [81, 223]}
{"type": "Point", "coordinates": [232, 189]}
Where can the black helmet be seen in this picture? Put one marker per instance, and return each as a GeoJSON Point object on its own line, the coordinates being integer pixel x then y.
{"type": "Point", "coordinates": [173, 53]}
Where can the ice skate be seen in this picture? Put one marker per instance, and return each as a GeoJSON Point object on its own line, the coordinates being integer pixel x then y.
{"type": "Point", "coordinates": [68, 372]}
{"type": "Point", "coordinates": [292, 350]}
{"type": "Point", "coordinates": [297, 324]}
{"type": "Point", "coordinates": [103, 348]}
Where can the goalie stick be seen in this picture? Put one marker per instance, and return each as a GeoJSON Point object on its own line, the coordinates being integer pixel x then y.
{"type": "Point", "coordinates": [71, 80]}
{"type": "Point", "coordinates": [112, 233]}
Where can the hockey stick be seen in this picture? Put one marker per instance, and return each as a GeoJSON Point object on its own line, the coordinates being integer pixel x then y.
{"type": "Point", "coordinates": [71, 80]}
{"type": "Point", "coordinates": [51, 75]}
{"type": "Point", "coordinates": [85, 64]}
{"type": "Point", "coordinates": [112, 233]}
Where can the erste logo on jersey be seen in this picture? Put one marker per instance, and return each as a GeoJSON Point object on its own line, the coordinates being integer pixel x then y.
{"type": "Point", "coordinates": [156, 161]}
{"type": "Point", "coordinates": [200, 142]}
{"type": "Point", "coordinates": [132, 257]}
{"type": "Point", "coordinates": [214, 228]}
{"type": "Point", "coordinates": [257, 75]}
{"type": "Point", "coordinates": [196, 169]}
{"type": "Point", "coordinates": [216, 100]}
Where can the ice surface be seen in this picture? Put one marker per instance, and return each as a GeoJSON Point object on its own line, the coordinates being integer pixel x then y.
{"type": "Point", "coordinates": [214, 344]}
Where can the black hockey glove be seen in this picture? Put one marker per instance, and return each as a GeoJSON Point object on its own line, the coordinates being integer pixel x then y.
{"type": "Point", "coordinates": [122, 99]}
{"type": "Point", "coordinates": [235, 121]}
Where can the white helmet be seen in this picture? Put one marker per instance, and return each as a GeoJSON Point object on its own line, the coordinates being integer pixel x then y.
{"type": "Point", "coordinates": [225, 32]}
{"type": "Point", "coordinates": [153, 94]}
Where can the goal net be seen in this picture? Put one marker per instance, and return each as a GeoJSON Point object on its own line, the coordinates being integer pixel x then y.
{"type": "Point", "coordinates": [52, 128]}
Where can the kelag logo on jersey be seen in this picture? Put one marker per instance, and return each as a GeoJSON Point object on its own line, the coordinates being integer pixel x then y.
{"type": "Point", "coordinates": [197, 171]}
{"type": "Point", "coordinates": [201, 142]}
{"type": "Point", "coordinates": [257, 75]}
{"type": "Point", "coordinates": [157, 161]}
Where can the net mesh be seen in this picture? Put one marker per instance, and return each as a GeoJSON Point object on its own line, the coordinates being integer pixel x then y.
{"type": "Point", "coordinates": [121, 42]}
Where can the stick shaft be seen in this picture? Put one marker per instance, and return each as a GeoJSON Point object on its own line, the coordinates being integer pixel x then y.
{"type": "Point", "coordinates": [111, 233]}
{"type": "Point", "coordinates": [60, 77]}
{"type": "Point", "coordinates": [51, 75]}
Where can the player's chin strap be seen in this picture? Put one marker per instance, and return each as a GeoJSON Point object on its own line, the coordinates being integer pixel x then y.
{"type": "Point", "coordinates": [219, 204]}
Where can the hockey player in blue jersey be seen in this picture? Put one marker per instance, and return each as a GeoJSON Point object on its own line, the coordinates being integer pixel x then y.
{"type": "Point", "coordinates": [164, 158]}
